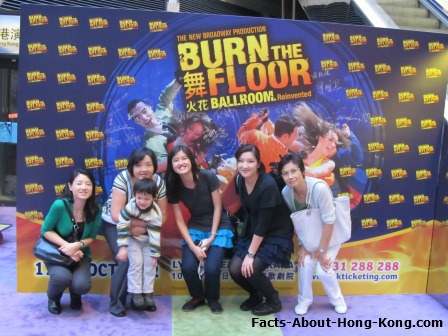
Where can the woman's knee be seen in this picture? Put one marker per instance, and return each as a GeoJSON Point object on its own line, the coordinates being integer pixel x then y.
{"type": "Point", "coordinates": [61, 278]}
{"type": "Point", "coordinates": [81, 287]}
{"type": "Point", "coordinates": [235, 268]}
{"type": "Point", "coordinates": [212, 269]}
{"type": "Point", "coordinates": [323, 273]}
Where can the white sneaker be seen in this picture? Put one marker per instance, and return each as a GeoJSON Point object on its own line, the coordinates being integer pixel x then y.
{"type": "Point", "coordinates": [301, 309]}
{"type": "Point", "coordinates": [342, 309]}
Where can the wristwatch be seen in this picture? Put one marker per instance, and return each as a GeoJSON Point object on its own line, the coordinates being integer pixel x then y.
{"type": "Point", "coordinates": [250, 254]}
{"type": "Point", "coordinates": [321, 250]}
{"type": "Point", "coordinates": [82, 244]}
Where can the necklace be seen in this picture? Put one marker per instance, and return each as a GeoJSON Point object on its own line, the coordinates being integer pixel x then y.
{"type": "Point", "coordinates": [79, 215]}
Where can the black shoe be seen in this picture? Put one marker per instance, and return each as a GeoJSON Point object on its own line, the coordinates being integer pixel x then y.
{"type": "Point", "coordinates": [150, 304]}
{"type": "Point", "coordinates": [119, 314]}
{"type": "Point", "coordinates": [54, 307]}
{"type": "Point", "coordinates": [215, 307]}
{"type": "Point", "coordinates": [193, 304]}
{"type": "Point", "coordinates": [137, 302]}
{"type": "Point", "coordinates": [75, 302]}
{"type": "Point", "coordinates": [267, 308]}
{"type": "Point", "coordinates": [253, 301]}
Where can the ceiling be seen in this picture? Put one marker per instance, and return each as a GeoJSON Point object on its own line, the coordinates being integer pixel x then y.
{"type": "Point", "coordinates": [260, 8]}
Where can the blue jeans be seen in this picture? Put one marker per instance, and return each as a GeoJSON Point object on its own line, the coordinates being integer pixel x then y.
{"type": "Point", "coordinates": [210, 289]}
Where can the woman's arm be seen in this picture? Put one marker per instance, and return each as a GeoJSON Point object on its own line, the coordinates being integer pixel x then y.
{"type": "Point", "coordinates": [198, 251]}
{"type": "Point", "coordinates": [324, 260]}
{"type": "Point", "coordinates": [324, 172]}
{"type": "Point", "coordinates": [217, 211]}
{"type": "Point", "coordinates": [247, 268]}
{"type": "Point", "coordinates": [163, 205]}
{"type": "Point", "coordinates": [118, 202]}
{"type": "Point", "coordinates": [324, 169]}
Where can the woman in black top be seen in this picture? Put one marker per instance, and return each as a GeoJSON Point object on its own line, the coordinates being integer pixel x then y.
{"type": "Point", "coordinates": [209, 231]}
{"type": "Point", "coordinates": [267, 233]}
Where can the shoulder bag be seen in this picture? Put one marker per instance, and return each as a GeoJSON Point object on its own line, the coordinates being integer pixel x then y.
{"type": "Point", "coordinates": [49, 252]}
{"type": "Point", "coordinates": [309, 226]}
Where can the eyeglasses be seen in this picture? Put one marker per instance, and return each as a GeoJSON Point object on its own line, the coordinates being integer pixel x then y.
{"type": "Point", "coordinates": [292, 173]}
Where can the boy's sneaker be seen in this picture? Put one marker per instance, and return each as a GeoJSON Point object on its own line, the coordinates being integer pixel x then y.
{"type": "Point", "coordinates": [150, 304]}
{"type": "Point", "coordinates": [137, 302]}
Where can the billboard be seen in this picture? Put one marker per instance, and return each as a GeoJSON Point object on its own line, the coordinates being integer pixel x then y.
{"type": "Point", "coordinates": [381, 91]}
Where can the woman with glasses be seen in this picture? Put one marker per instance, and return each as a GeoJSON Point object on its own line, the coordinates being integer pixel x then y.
{"type": "Point", "coordinates": [295, 192]}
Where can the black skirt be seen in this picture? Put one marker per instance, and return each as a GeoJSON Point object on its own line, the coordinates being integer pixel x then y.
{"type": "Point", "coordinates": [275, 251]}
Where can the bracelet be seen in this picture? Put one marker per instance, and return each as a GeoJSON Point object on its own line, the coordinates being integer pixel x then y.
{"type": "Point", "coordinates": [82, 244]}
{"type": "Point", "coordinates": [212, 233]}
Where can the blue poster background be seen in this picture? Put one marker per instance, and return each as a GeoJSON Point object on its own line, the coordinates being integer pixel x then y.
{"type": "Point", "coordinates": [44, 160]}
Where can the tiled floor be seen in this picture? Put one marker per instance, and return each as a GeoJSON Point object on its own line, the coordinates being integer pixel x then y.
{"type": "Point", "coordinates": [26, 314]}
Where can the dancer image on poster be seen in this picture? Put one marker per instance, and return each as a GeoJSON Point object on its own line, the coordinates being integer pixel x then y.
{"type": "Point", "coordinates": [161, 126]}
{"type": "Point", "coordinates": [198, 131]}
{"type": "Point", "coordinates": [273, 140]}
{"type": "Point", "coordinates": [321, 140]}
{"type": "Point", "coordinates": [351, 156]}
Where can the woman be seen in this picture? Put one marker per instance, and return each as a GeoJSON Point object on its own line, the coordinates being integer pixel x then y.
{"type": "Point", "coordinates": [79, 194]}
{"type": "Point", "coordinates": [267, 234]}
{"type": "Point", "coordinates": [209, 231]}
{"type": "Point", "coordinates": [141, 164]}
{"type": "Point", "coordinates": [295, 194]}
{"type": "Point", "coordinates": [320, 140]}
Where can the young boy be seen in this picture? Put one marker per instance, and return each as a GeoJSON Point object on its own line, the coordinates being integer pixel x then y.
{"type": "Point", "coordinates": [143, 250]}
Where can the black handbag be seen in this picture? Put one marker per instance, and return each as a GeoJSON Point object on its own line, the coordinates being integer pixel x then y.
{"type": "Point", "coordinates": [49, 252]}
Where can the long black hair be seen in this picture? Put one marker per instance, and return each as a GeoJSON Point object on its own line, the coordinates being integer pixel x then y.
{"type": "Point", "coordinates": [173, 180]}
{"type": "Point", "coordinates": [91, 208]}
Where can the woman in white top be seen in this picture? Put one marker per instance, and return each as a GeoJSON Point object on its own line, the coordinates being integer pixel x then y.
{"type": "Point", "coordinates": [295, 193]}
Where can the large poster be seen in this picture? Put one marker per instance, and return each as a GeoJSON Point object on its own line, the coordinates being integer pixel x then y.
{"type": "Point", "coordinates": [375, 93]}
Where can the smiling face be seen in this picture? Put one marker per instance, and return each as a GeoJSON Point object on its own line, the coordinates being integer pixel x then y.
{"type": "Point", "coordinates": [181, 163]}
{"type": "Point", "coordinates": [248, 165]}
{"type": "Point", "coordinates": [143, 115]}
{"type": "Point", "coordinates": [144, 169]}
{"type": "Point", "coordinates": [82, 187]}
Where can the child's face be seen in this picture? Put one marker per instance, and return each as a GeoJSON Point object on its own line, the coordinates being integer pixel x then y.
{"type": "Point", "coordinates": [143, 200]}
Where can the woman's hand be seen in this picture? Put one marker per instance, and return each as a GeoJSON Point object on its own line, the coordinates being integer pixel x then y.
{"type": "Point", "coordinates": [138, 227]}
{"type": "Point", "coordinates": [122, 254]}
{"type": "Point", "coordinates": [77, 256]}
{"type": "Point", "coordinates": [70, 249]}
{"type": "Point", "coordinates": [199, 252]}
{"type": "Point", "coordinates": [247, 268]}
{"type": "Point", "coordinates": [325, 261]}
{"type": "Point", "coordinates": [153, 261]}
{"type": "Point", "coordinates": [301, 254]}
{"type": "Point", "coordinates": [207, 243]}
